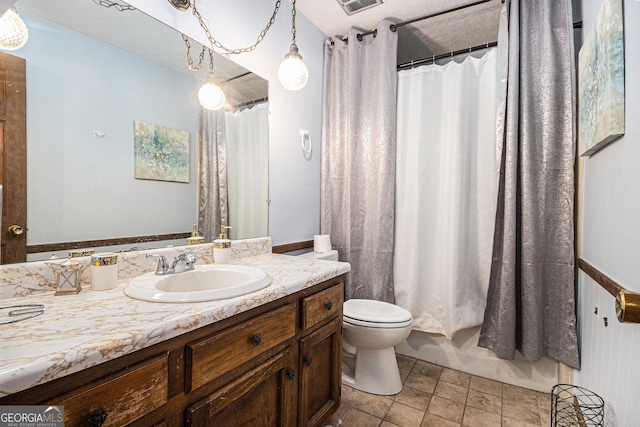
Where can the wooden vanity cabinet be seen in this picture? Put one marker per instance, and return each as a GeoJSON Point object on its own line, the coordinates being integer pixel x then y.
{"type": "Point", "coordinates": [275, 365]}
{"type": "Point", "coordinates": [299, 386]}
{"type": "Point", "coordinates": [320, 356]}
{"type": "Point", "coordinates": [263, 396]}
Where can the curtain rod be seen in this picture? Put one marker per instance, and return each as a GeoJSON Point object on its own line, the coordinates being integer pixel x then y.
{"type": "Point", "coordinates": [250, 103]}
{"type": "Point", "coordinates": [236, 77]}
{"type": "Point", "coordinates": [447, 55]}
{"type": "Point", "coordinates": [394, 27]}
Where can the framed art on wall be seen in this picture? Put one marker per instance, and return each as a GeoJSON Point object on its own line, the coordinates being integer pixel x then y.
{"type": "Point", "coordinates": [601, 80]}
{"type": "Point", "coordinates": [161, 153]}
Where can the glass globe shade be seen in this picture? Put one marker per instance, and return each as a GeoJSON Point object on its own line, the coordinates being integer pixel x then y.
{"type": "Point", "coordinates": [13, 31]}
{"type": "Point", "coordinates": [293, 73]}
{"type": "Point", "coordinates": [211, 95]}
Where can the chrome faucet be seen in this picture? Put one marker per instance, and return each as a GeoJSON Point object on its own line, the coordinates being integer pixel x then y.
{"type": "Point", "coordinates": [181, 263]}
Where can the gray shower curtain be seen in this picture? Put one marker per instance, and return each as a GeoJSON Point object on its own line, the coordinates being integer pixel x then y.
{"type": "Point", "coordinates": [358, 158]}
{"type": "Point", "coordinates": [530, 304]}
{"type": "Point", "coordinates": [212, 181]}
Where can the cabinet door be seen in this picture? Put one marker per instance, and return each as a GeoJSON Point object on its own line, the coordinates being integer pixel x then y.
{"type": "Point", "coordinates": [320, 374]}
{"type": "Point", "coordinates": [262, 397]}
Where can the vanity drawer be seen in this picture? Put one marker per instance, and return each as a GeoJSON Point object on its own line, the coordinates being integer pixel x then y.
{"type": "Point", "coordinates": [321, 306]}
{"type": "Point", "coordinates": [123, 398]}
{"type": "Point", "coordinates": [211, 357]}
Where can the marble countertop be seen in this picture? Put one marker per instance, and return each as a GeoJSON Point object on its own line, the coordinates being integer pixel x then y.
{"type": "Point", "coordinates": [79, 331]}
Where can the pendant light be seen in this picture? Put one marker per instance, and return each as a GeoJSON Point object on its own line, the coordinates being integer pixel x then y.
{"type": "Point", "coordinates": [293, 73]}
{"type": "Point", "coordinates": [210, 95]}
{"type": "Point", "coordinates": [13, 31]}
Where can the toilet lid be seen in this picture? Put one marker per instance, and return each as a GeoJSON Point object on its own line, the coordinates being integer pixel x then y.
{"type": "Point", "coordinates": [375, 311]}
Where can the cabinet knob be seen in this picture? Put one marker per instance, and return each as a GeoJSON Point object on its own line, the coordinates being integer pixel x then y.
{"type": "Point", "coordinates": [328, 305]}
{"type": "Point", "coordinates": [256, 340]}
{"type": "Point", "coordinates": [291, 373]}
{"type": "Point", "coordinates": [15, 230]}
{"type": "Point", "coordinates": [96, 418]}
{"type": "Point", "coordinates": [307, 361]}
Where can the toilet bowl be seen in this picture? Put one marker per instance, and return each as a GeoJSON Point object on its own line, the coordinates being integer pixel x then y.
{"type": "Point", "coordinates": [371, 330]}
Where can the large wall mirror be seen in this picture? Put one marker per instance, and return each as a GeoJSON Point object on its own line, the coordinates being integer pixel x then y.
{"type": "Point", "coordinates": [93, 74]}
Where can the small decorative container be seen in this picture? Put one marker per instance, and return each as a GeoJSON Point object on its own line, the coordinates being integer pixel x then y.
{"type": "Point", "coordinates": [80, 252]}
{"type": "Point", "coordinates": [104, 271]}
{"type": "Point", "coordinates": [67, 277]}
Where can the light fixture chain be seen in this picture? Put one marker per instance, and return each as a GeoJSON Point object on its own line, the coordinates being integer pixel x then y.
{"type": "Point", "coordinates": [216, 43]}
{"type": "Point", "coordinates": [189, 60]}
{"type": "Point", "coordinates": [119, 7]}
{"type": "Point", "coordinates": [293, 20]}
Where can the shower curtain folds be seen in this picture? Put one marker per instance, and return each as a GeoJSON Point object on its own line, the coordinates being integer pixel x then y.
{"type": "Point", "coordinates": [530, 303]}
{"type": "Point", "coordinates": [247, 142]}
{"type": "Point", "coordinates": [446, 189]}
{"type": "Point", "coordinates": [358, 158]}
{"type": "Point", "coordinates": [212, 181]}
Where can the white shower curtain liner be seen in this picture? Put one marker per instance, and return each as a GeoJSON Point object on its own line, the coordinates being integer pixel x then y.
{"type": "Point", "coordinates": [247, 137]}
{"type": "Point", "coordinates": [446, 189]}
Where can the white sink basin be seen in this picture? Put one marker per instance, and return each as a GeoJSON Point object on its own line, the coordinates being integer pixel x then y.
{"type": "Point", "coordinates": [205, 283]}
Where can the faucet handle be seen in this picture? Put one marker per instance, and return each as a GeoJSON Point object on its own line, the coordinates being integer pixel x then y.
{"type": "Point", "coordinates": [163, 264]}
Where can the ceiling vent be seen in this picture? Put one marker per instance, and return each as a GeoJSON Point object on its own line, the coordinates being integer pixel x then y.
{"type": "Point", "coordinates": [355, 6]}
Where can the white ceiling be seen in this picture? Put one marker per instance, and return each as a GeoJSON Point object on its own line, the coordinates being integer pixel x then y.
{"type": "Point", "coordinates": [329, 16]}
{"type": "Point", "coordinates": [462, 29]}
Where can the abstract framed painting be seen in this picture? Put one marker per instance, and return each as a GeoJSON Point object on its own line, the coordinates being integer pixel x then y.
{"type": "Point", "coordinates": [161, 153]}
{"type": "Point", "coordinates": [601, 80]}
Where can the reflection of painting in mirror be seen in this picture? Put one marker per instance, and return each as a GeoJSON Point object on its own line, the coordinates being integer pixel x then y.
{"type": "Point", "coordinates": [161, 153]}
{"type": "Point", "coordinates": [83, 93]}
{"type": "Point", "coordinates": [601, 80]}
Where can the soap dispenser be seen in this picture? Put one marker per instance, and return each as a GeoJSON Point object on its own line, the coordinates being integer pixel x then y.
{"type": "Point", "coordinates": [222, 247]}
{"type": "Point", "coordinates": [195, 238]}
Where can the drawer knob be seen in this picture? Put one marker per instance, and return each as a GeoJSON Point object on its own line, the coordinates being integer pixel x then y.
{"type": "Point", "coordinates": [96, 418]}
{"type": "Point", "coordinates": [308, 360]}
{"type": "Point", "coordinates": [256, 340]}
{"type": "Point", "coordinates": [291, 373]}
{"type": "Point", "coordinates": [328, 305]}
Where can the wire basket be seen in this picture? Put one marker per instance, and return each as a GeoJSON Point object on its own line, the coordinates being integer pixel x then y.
{"type": "Point", "coordinates": [575, 406]}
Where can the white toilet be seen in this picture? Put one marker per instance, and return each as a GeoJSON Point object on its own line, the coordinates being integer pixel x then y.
{"type": "Point", "coordinates": [371, 330]}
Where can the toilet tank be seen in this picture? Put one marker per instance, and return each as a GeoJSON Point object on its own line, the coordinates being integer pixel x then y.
{"type": "Point", "coordinates": [329, 255]}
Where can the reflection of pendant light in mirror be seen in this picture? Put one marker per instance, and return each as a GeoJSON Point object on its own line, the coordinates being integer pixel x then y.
{"type": "Point", "coordinates": [210, 94]}
{"type": "Point", "coordinates": [13, 31]}
{"type": "Point", "coordinates": [293, 73]}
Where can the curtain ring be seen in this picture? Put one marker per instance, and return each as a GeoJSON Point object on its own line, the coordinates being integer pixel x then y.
{"type": "Point", "coordinates": [393, 28]}
{"type": "Point", "coordinates": [433, 59]}
{"type": "Point", "coordinates": [359, 37]}
{"type": "Point", "coordinates": [375, 33]}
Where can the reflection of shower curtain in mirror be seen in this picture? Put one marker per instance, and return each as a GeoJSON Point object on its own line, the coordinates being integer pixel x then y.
{"type": "Point", "coordinates": [247, 143]}
{"type": "Point", "coordinates": [446, 189]}
{"type": "Point", "coordinates": [212, 175]}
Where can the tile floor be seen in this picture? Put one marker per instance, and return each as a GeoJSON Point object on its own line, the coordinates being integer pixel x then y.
{"type": "Point", "coordinates": [434, 396]}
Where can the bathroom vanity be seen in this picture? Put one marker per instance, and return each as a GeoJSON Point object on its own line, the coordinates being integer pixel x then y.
{"type": "Point", "coordinates": [272, 358]}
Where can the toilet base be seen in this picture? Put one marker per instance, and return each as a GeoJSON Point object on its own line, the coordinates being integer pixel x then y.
{"type": "Point", "coordinates": [376, 372]}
